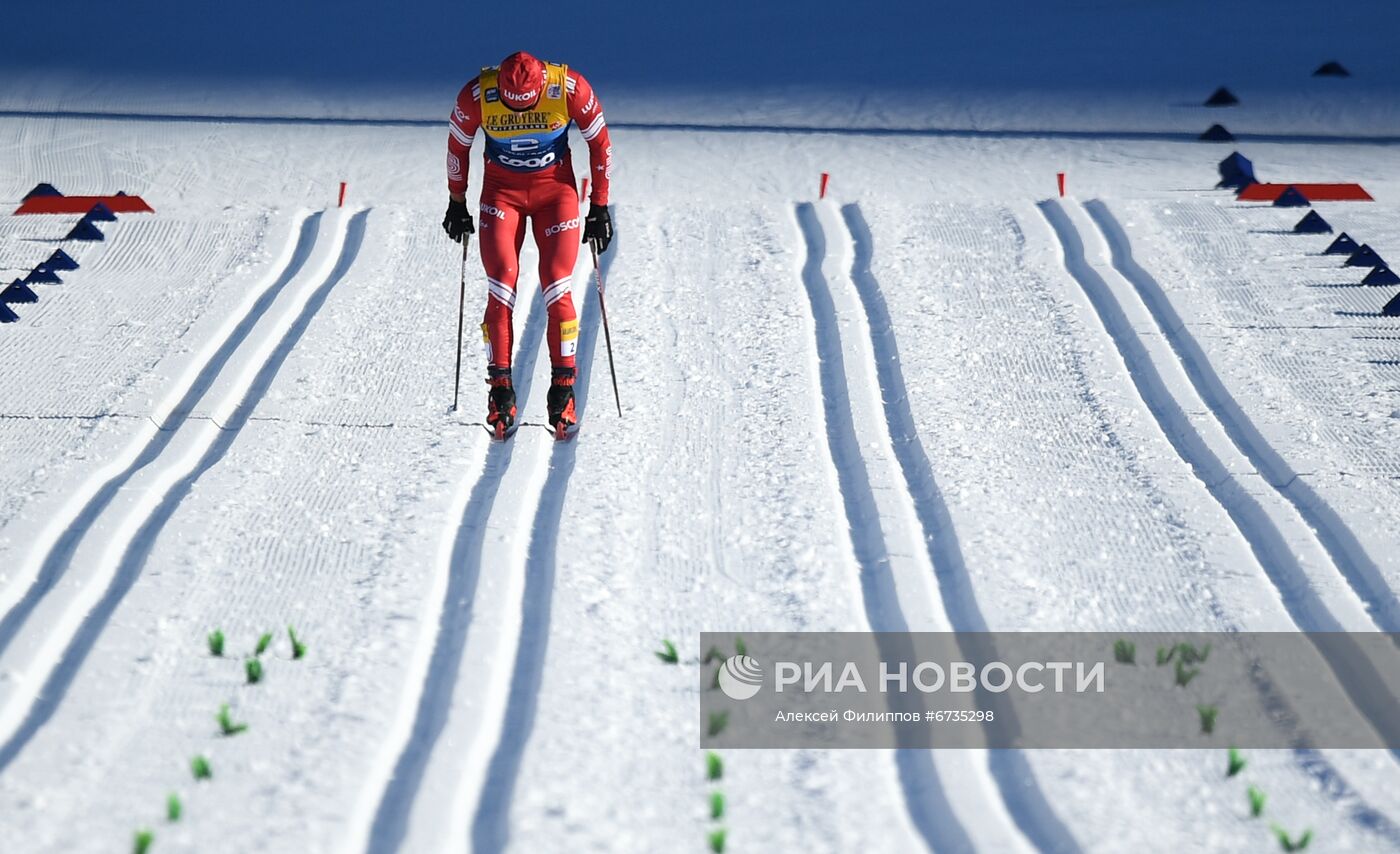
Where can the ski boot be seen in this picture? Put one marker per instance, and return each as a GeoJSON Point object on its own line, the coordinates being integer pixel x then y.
{"type": "Point", "coordinates": [562, 419]}
{"type": "Point", "coordinates": [500, 406]}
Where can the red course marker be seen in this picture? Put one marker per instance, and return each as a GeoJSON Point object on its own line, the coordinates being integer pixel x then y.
{"type": "Point", "coordinates": [1060, 177]}
{"type": "Point", "coordinates": [82, 204]}
{"type": "Point", "coordinates": [822, 193]}
{"type": "Point", "coordinates": [341, 203]}
{"type": "Point", "coordinates": [1313, 192]}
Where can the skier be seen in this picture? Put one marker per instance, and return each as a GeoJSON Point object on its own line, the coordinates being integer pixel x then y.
{"type": "Point", "coordinates": [524, 108]}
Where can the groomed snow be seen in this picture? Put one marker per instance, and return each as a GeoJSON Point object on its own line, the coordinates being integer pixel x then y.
{"type": "Point", "coordinates": [939, 398]}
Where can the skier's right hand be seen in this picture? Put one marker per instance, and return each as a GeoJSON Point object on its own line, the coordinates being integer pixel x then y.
{"type": "Point", "coordinates": [458, 223]}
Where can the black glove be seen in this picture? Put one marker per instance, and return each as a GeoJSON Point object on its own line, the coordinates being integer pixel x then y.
{"type": "Point", "coordinates": [597, 227]}
{"type": "Point", "coordinates": [458, 223]}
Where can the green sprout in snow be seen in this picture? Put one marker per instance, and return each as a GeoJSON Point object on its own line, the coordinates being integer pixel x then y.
{"type": "Point", "coordinates": [1236, 763]}
{"type": "Point", "coordinates": [712, 655]}
{"type": "Point", "coordinates": [216, 643]}
{"type": "Point", "coordinates": [1288, 843]}
{"type": "Point", "coordinates": [668, 655]}
{"type": "Point", "coordinates": [1164, 654]}
{"type": "Point", "coordinates": [1256, 801]}
{"type": "Point", "coordinates": [143, 841]}
{"type": "Point", "coordinates": [1183, 675]}
{"type": "Point", "coordinates": [1207, 714]}
{"type": "Point", "coordinates": [263, 642]}
{"type": "Point", "coordinates": [199, 766]}
{"type": "Point", "coordinates": [226, 724]}
{"type": "Point", "coordinates": [714, 766]}
{"type": "Point", "coordinates": [1191, 655]}
{"type": "Point", "coordinates": [298, 648]}
{"type": "Point", "coordinates": [1125, 652]}
{"type": "Point", "coordinates": [253, 667]}
{"type": "Point", "coordinates": [739, 646]}
{"type": "Point", "coordinates": [173, 808]}
{"type": "Point", "coordinates": [717, 840]}
{"type": "Point", "coordinates": [717, 806]}
{"type": "Point", "coordinates": [718, 721]}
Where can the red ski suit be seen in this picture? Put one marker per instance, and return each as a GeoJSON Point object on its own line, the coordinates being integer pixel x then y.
{"type": "Point", "coordinates": [515, 188]}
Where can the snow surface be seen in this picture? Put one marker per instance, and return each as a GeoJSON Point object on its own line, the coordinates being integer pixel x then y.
{"type": "Point", "coordinates": [939, 398]}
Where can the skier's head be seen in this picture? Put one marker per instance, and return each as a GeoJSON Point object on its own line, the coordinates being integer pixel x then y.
{"type": "Point", "coordinates": [521, 79]}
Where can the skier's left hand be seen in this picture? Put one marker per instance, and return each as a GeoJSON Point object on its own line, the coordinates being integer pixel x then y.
{"type": "Point", "coordinates": [597, 227]}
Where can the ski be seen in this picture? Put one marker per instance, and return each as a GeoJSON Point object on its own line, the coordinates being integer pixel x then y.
{"type": "Point", "coordinates": [498, 433]}
{"type": "Point", "coordinates": [560, 432]}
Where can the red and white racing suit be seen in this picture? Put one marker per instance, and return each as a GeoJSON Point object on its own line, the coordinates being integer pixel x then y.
{"type": "Point", "coordinates": [529, 174]}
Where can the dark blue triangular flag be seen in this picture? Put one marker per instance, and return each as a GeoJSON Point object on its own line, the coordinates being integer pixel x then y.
{"type": "Point", "coordinates": [1313, 223]}
{"type": "Point", "coordinates": [1217, 133]}
{"type": "Point", "coordinates": [1343, 245]}
{"type": "Point", "coordinates": [1236, 172]}
{"type": "Point", "coordinates": [17, 292]}
{"type": "Point", "coordinates": [1381, 275]}
{"type": "Point", "coordinates": [42, 275]}
{"type": "Point", "coordinates": [1331, 69]}
{"type": "Point", "coordinates": [42, 190]}
{"type": "Point", "coordinates": [1222, 97]}
{"type": "Point", "coordinates": [1291, 198]}
{"type": "Point", "coordinates": [85, 230]}
{"type": "Point", "coordinates": [60, 260]}
{"type": "Point", "coordinates": [101, 213]}
{"type": "Point", "coordinates": [7, 316]}
{"type": "Point", "coordinates": [1365, 257]}
{"type": "Point", "coordinates": [1392, 308]}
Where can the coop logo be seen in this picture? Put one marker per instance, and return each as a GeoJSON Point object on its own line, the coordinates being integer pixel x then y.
{"type": "Point", "coordinates": [526, 162]}
{"type": "Point", "coordinates": [740, 677]}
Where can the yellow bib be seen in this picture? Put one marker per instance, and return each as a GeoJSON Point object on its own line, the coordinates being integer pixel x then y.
{"type": "Point", "coordinates": [535, 138]}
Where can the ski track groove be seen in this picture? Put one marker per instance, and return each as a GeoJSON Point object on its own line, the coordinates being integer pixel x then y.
{"type": "Point", "coordinates": [490, 830]}
{"type": "Point", "coordinates": [1336, 538]}
{"type": "Point", "coordinates": [1341, 545]}
{"type": "Point", "coordinates": [1365, 689]}
{"type": "Point", "coordinates": [1009, 768]}
{"type": "Point", "coordinates": [925, 797]}
{"type": "Point", "coordinates": [137, 549]}
{"type": "Point", "coordinates": [103, 487]}
{"type": "Point", "coordinates": [98, 492]}
{"type": "Point", "coordinates": [394, 810]}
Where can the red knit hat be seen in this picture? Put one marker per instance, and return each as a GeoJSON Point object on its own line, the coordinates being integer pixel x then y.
{"type": "Point", "coordinates": [521, 79]}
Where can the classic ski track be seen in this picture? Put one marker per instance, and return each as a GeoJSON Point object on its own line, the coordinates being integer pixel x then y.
{"type": "Point", "coordinates": [45, 563]}
{"type": "Point", "coordinates": [1281, 559]}
{"type": "Point", "coordinates": [1335, 537]}
{"type": "Point", "coordinates": [1332, 534]}
{"type": "Point", "coordinates": [490, 829]}
{"type": "Point", "coordinates": [911, 568]}
{"type": "Point", "coordinates": [149, 489]}
{"type": "Point", "coordinates": [1011, 775]}
{"type": "Point", "coordinates": [477, 616]}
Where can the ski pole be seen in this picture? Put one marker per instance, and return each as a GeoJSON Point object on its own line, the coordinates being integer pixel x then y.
{"type": "Point", "coordinates": [607, 335]}
{"type": "Point", "coordinates": [461, 310]}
